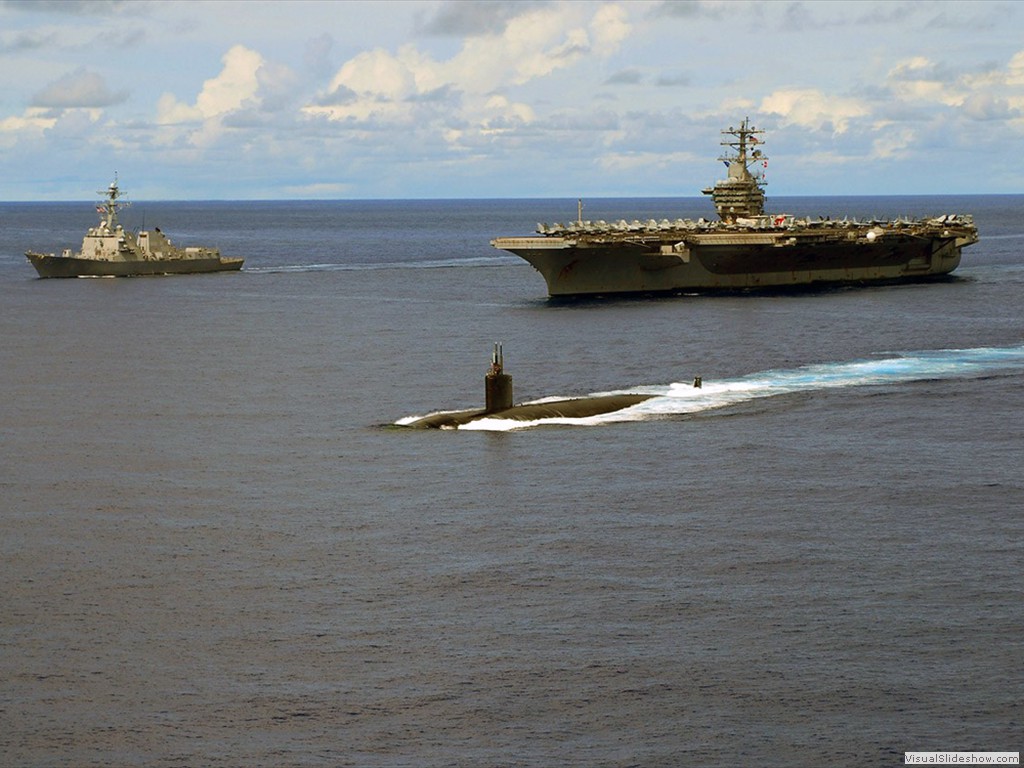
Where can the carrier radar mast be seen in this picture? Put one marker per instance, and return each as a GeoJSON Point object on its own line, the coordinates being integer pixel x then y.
{"type": "Point", "coordinates": [741, 193]}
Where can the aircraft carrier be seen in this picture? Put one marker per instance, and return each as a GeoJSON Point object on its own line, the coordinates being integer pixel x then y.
{"type": "Point", "coordinates": [745, 249]}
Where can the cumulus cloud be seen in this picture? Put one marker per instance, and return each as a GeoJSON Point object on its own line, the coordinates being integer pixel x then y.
{"type": "Point", "coordinates": [1015, 70]}
{"type": "Point", "coordinates": [276, 87]}
{"type": "Point", "coordinates": [244, 94]}
{"type": "Point", "coordinates": [379, 73]}
{"type": "Point", "coordinates": [992, 94]}
{"type": "Point", "coordinates": [998, 93]}
{"type": "Point", "coordinates": [33, 121]}
{"type": "Point", "coordinates": [233, 89]}
{"type": "Point", "coordinates": [917, 94]}
{"type": "Point", "coordinates": [235, 86]}
{"type": "Point", "coordinates": [483, 17]}
{"type": "Point", "coordinates": [511, 81]}
{"type": "Point", "coordinates": [527, 42]}
{"type": "Point", "coordinates": [610, 27]}
{"type": "Point", "coordinates": [340, 96]}
{"type": "Point", "coordinates": [503, 114]}
{"type": "Point", "coordinates": [999, 83]}
{"type": "Point", "coordinates": [70, 104]}
{"type": "Point", "coordinates": [920, 79]}
{"type": "Point", "coordinates": [893, 141]}
{"type": "Point", "coordinates": [986, 106]}
{"type": "Point", "coordinates": [810, 108]}
{"type": "Point", "coordinates": [81, 89]}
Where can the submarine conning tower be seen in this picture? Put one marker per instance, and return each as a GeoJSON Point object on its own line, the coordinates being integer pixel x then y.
{"type": "Point", "coordinates": [497, 384]}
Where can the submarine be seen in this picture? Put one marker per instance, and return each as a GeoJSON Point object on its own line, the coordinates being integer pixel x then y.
{"type": "Point", "coordinates": [498, 403]}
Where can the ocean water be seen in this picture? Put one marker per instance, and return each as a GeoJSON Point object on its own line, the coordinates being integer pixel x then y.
{"type": "Point", "coordinates": [219, 550]}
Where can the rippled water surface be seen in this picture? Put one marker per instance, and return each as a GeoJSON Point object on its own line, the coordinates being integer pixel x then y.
{"type": "Point", "coordinates": [219, 550]}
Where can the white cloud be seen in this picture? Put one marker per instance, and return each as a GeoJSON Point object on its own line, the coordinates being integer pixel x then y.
{"type": "Point", "coordinates": [997, 93]}
{"type": "Point", "coordinates": [499, 115]}
{"type": "Point", "coordinates": [379, 85]}
{"type": "Point", "coordinates": [377, 73]}
{"type": "Point", "coordinates": [919, 79]}
{"type": "Point", "coordinates": [810, 108]}
{"type": "Point", "coordinates": [610, 27]}
{"type": "Point", "coordinates": [986, 106]}
{"type": "Point", "coordinates": [80, 89]}
{"type": "Point", "coordinates": [893, 142]}
{"type": "Point", "coordinates": [993, 94]}
{"type": "Point", "coordinates": [170, 111]}
{"type": "Point", "coordinates": [237, 83]}
{"type": "Point", "coordinates": [34, 121]}
{"type": "Point", "coordinates": [383, 101]}
{"type": "Point", "coordinates": [235, 88]}
{"type": "Point", "coordinates": [1015, 70]}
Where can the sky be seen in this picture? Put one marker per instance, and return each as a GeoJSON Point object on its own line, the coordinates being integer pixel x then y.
{"type": "Point", "coordinates": [494, 99]}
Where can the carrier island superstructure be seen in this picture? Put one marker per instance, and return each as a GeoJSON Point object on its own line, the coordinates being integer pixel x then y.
{"type": "Point", "coordinates": [744, 249]}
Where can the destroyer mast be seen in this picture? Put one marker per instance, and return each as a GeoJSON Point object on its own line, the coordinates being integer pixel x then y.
{"type": "Point", "coordinates": [110, 205]}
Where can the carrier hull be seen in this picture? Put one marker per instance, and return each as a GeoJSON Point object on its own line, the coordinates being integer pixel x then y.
{"type": "Point", "coordinates": [734, 262]}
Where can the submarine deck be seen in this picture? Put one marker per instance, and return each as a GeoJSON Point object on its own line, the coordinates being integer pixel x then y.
{"type": "Point", "coordinates": [573, 408]}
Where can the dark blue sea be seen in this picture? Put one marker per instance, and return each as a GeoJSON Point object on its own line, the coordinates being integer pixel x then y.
{"type": "Point", "coordinates": [218, 549]}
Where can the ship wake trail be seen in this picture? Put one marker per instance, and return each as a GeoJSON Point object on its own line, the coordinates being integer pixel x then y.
{"type": "Point", "coordinates": [480, 261]}
{"type": "Point", "coordinates": [683, 399]}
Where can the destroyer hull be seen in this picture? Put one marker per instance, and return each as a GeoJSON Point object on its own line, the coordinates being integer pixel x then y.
{"type": "Point", "coordinates": [731, 262]}
{"type": "Point", "coordinates": [48, 265]}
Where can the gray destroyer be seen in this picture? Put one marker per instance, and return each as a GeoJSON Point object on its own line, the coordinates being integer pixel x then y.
{"type": "Point", "coordinates": [745, 249]}
{"type": "Point", "coordinates": [108, 250]}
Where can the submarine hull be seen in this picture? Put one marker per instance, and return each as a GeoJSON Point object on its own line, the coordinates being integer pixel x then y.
{"type": "Point", "coordinates": [573, 408]}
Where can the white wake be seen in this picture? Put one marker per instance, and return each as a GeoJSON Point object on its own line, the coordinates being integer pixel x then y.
{"type": "Point", "coordinates": [682, 398]}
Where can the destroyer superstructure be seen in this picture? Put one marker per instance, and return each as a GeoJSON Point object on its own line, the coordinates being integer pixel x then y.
{"type": "Point", "coordinates": [109, 250]}
{"type": "Point", "coordinates": [744, 249]}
